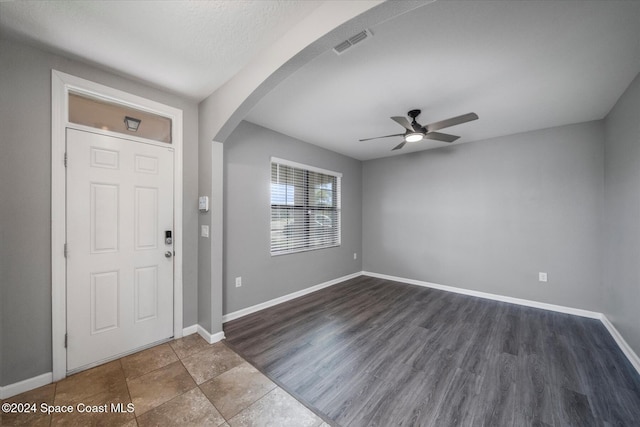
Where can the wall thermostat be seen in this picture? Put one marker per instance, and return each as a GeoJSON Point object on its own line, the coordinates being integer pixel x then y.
{"type": "Point", "coordinates": [203, 203]}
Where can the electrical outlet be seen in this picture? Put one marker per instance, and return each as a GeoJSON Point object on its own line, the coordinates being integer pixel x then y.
{"type": "Point", "coordinates": [238, 282]}
{"type": "Point", "coordinates": [542, 277]}
{"type": "Point", "coordinates": [355, 255]}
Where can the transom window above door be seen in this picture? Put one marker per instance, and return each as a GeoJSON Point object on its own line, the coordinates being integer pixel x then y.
{"type": "Point", "coordinates": [102, 114]}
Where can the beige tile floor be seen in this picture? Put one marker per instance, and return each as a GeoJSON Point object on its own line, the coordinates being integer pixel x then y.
{"type": "Point", "coordinates": [186, 382]}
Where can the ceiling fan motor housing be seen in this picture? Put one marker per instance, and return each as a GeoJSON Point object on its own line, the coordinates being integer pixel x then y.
{"type": "Point", "coordinates": [417, 127]}
{"type": "Point", "coordinates": [413, 114]}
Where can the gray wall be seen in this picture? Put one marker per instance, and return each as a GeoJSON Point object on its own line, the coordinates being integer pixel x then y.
{"type": "Point", "coordinates": [204, 246]}
{"type": "Point", "coordinates": [486, 216]}
{"type": "Point", "coordinates": [210, 264]}
{"type": "Point", "coordinates": [247, 154]}
{"type": "Point", "coordinates": [490, 215]}
{"type": "Point", "coordinates": [621, 279]}
{"type": "Point", "coordinates": [25, 254]}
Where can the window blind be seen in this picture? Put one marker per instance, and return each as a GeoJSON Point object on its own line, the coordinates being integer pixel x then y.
{"type": "Point", "coordinates": [305, 207]}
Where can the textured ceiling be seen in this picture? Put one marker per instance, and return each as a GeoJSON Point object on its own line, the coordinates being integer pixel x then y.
{"type": "Point", "coordinates": [189, 47]}
{"type": "Point", "coordinates": [520, 65]}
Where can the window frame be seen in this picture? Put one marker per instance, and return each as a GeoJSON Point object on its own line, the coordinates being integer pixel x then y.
{"type": "Point", "coordinates": [306, 207]}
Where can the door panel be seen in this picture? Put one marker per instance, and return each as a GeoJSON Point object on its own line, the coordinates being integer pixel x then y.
{"type": "Point", "coordinates": [103, 214]}
{"type": "Point", "coordinates": [119, 281]}
{"type": "Point", "coordinates": [146, 293]}
{"type": "Point", "coordinates": [105, 289]}
{"type": "Point", "coordinates": [146, 218]}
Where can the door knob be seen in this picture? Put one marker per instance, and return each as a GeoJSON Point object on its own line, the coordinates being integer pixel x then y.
{"type": "Point", "coordinates": [168, 254]}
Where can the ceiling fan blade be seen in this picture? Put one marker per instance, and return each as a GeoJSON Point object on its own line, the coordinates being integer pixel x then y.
{"type": "Point", "coordinates": [377, 137]}
{"type": "Point", "coordinates": [444, 137]}
{"type": "Point", "coordinates": [399, 146]}
{"type": "Point", "coordinates": [451, 122]}
{"type": "Point", "coordinates": [402, 121]}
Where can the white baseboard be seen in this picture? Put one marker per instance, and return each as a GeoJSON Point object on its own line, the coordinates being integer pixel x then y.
{"type": "Point", "coordinates": [44, 379]}
{"type": "Point", "coordinates": [624, 346]}
{"type": "Point", "coordinates": [190, 330]}
{"type": "Point", "coordinates": [25, 385]}
{"type": "Point", "coordinates": [495, 297]}
{"type": "Point", "coordinates": [249, 310]}
{"type": "Point", "coordinates": [210, 338]}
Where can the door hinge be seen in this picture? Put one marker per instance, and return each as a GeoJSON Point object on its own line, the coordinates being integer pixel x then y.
{"type": "Point", "coordinates": [65, 250]}
{"type": "Point", "coordinates": [66, 337]}
{"type": "Point", "coordinates": [65, 160]}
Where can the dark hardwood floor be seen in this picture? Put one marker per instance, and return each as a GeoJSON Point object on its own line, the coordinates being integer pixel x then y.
{"type": "Point", "coordinates": [371, 352]}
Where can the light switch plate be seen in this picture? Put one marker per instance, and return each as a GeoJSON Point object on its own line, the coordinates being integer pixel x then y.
{"type": "Point", "coordinates": [203, 204]}
{"type": "Point", "coordinates": [204, 230]}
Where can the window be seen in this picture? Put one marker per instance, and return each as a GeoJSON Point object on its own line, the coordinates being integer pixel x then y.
{"type": "Point", "coordinates": [105, 115]}
{"type": "Point", "coordinates": [305, 207]}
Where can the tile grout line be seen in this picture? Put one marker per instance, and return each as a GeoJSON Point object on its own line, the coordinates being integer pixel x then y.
{"type": "Point", "coordinates": [279, 385]}
{"type": "Point", "coordinates": [126, 382]}
{"type": "Point", "coordinates": [252, 402]}
{"type": "Point", "coordinates": [198, 385]}
{"type": "Point", "coordinates": [157, 369]}
{"type": "Point", "coordinates": [55, 392]}
{"type": "Point", "coordinates": [120, 372]}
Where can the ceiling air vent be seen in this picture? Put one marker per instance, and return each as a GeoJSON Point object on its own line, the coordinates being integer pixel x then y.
{"type": "Point", "coordinates": [352, 41]}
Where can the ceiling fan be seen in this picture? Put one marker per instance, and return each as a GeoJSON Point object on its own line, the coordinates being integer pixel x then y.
{"type": "Point", "coordinates": [416, 132]}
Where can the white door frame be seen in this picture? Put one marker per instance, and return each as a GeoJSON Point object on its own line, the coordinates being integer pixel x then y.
{"type": "Point", "coordinates": [61, 84]}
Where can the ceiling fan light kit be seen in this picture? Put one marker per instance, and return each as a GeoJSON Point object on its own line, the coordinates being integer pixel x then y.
{"type": "Point", "coordinates": [415, 132]}
{"type": "Point", "coordinates": [413, 137]}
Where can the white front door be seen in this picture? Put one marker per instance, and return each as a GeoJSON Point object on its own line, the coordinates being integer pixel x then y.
{"type": "Point", "coordinates": [119, 264]}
